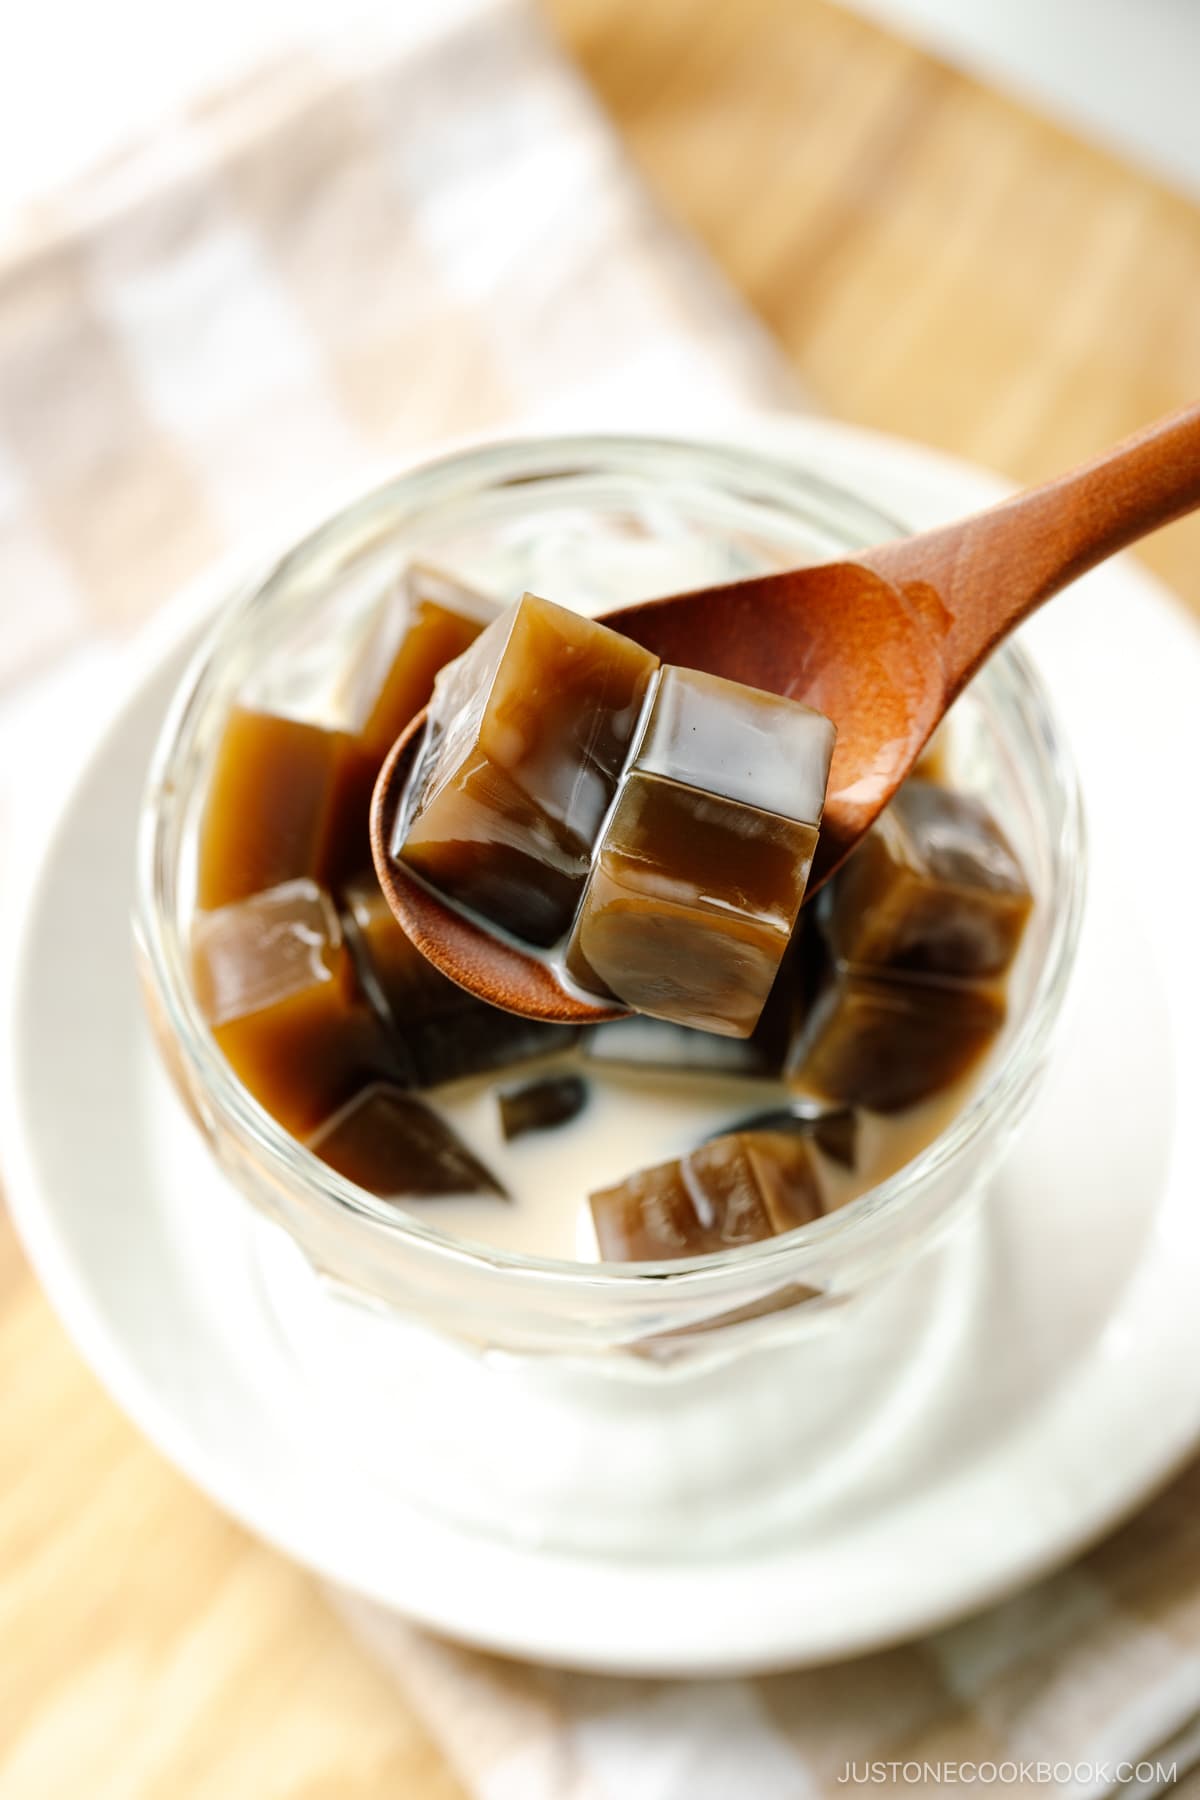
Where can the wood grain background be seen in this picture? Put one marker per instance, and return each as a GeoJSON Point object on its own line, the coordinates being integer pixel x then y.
{"type": "Point", "coordinates": [937, 262]}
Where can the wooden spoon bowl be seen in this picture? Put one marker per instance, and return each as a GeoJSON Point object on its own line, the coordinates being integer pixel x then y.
{"type": "Point", "coordinates": [488, 966]}
{"type": "Point", "coordinates": [882, 645]}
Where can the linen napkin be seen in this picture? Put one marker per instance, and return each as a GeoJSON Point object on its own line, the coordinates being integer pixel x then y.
{"type": "Point", "coordinates": [360, 251]}
{"type": "Point", "coordinates": [354, 254]}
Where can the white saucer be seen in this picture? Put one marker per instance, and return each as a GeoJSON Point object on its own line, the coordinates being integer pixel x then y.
{"type": "Point", "coordinates": [1075, 1389]}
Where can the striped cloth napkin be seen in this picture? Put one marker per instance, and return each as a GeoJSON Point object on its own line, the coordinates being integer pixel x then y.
{"type": "Point", "coordinates": [352, 256]}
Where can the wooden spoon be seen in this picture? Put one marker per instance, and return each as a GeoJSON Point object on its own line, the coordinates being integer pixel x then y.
{"type": "Point", "coordinates": [882, 645]}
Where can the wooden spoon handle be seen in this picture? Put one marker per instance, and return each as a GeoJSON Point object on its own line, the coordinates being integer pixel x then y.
{"type": "Point", "coordinates": [974, 580]}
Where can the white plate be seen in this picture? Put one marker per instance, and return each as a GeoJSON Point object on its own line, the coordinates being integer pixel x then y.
{"type": "Point", "coordinates": [1075, 1389]}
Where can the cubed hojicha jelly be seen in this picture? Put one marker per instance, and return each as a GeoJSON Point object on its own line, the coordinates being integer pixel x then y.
{"type": "Point", "coordinates": [541, 1105]}
{"type": "Point", "coordinates": [739, 742]}
{"type": "Point", "coordinates": [287, 801]}
{"type": "Point", "coordinates": [290, 799]}
{"type": "Point", "coordinates": [654, 826]}
{"type": "Point", "coordinates": [832, 1128]}
{"type": "Point", "coordinates": [406, 985]}
{"type": "Point", "coordinates": [690, 906]}
{"type": "Point", "coordinates": [484, 1040]}
{"type": "Point", "coordinates": [702, 866]}
{"type": "Point", "coordinates": [640, 1043]}
{"type": "Point", "coordinates": [884, 1039]}
{"type": "Point", "coordinates": [276, 984]}
{"type": "Point", "coordinates": [424, 623]}
{"type": "Point", "coordinates": [733, 1190]}
{"type": "Point", "coordinates": [801, 975]}
{"type": "Point", "coordinates": [441, 1032]}
{"type": "Point", "coordinates": [934, 887]}
{"type": "Point", "coordinates": [528, 732]}
{"type": "Point", "coordinates": [397, 1147]}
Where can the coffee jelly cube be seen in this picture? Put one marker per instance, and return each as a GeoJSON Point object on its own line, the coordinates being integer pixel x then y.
{"type": "Point", "coordinates": [832, 1128]}
{"type": "Point", "coordinates": [528, 734]}
{"type": "Point", "coordinates": [690, 905]}
{"type": "Point", "coordinates": [406, 986]}
{"type": "Point", "coordinates": [428, 619]}
{"type": "Point", "coordinates": [441, 1032]}
{"type": "Point", "coordinates": [397, 1147]}
{"type": "Point", "coordinates": [739, 742]}
{"type": "Point", "coordinates": [276, 984]}
{"type": "Point", "coordinates": [835, 1133]}
{"type": "Point", "coordinates": [734, 1190]}
{"type": "Point", "coordinates": [286, 801]}
{"type": "Point", "coordinates": [541, 1105]}
{"type": "Point", "coordinates": [801, 976]}
{"type": "Point", "coordinates": [702, 867]}
{"type": "Point", "coordinates": [934, 887]}
{"type": "Point", "coordinates": [483, 1040]}
{"type": "Point", "coordinates": [886, 1040]}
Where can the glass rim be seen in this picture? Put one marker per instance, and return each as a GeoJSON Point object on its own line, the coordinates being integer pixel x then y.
{"type": "Point", "coordinates": [318, 1184]}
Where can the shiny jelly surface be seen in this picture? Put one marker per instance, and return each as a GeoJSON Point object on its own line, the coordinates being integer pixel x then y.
{"type": "Point", "coordinates": [691, 904]}
{"type": "Point", "coordinates": [706, 799]}
{"type": "Point", "coordinates": [735, 1190]}
{"type": "Point", "coordinates": [275, 981]}
{"type": "Point", "coordinates": [934, 888]}
{"type": "Point", "coordinates": [528, 733]}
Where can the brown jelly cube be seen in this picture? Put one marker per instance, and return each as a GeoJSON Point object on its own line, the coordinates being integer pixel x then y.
{"type": "Point", "coordinates": [884, 1040]}
{"type": "Point", "coordinates": [734, 1190]}
{"type": "Point", "coordinates": [397, 1147]}
{"type": "Point", "coordinates": [482, 1040]}
{"type": "Point", "coordinates": [541, 1105]}
{"type": "Point", "coordinates": [724, 738]}
{"type": "Point", "coordinates": [833, 1129]}
{"type": "Point", "coordinates": [427, 620]}
{"type": "Point", "coordinates": [934, 887]}
{"type": "Point", "coordinates": [690, 905]}
{"type": "Point", "coordinates": [529, 731]}
{"type": "Point", "coordinates": [835, 1133]}
{"type": "Point", "coordinates": [275, 982]}
{"type": "Point", "coordinates": [703, 864]}
{"type": "Point", "coordinates": [347, 852]}
{"type": "Point", "coordinates": [440, 1032]}
{"type": "Point", "coordinates": [801, 977]}
{"type": "Point", "coordinates": [286, 800]}
{"type": "Point", "coordinates": [405, 985]}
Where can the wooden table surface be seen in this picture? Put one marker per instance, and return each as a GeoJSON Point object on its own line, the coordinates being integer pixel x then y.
{"type": "Point", "coordinates": [937, 262]}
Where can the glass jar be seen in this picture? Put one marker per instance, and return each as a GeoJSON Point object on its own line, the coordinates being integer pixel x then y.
{"type": "Point", "coordinates": [663, 1407]}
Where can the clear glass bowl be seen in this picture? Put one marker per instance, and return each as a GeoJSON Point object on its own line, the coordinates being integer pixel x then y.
{"type": "Point", "coordinates": [391, 1316]}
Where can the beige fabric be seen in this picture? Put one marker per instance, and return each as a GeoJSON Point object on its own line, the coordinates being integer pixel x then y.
{"type": "Point", "coordinates": [333, 266]}
{"type": "Point", "coordinates": [1058, 1689]}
